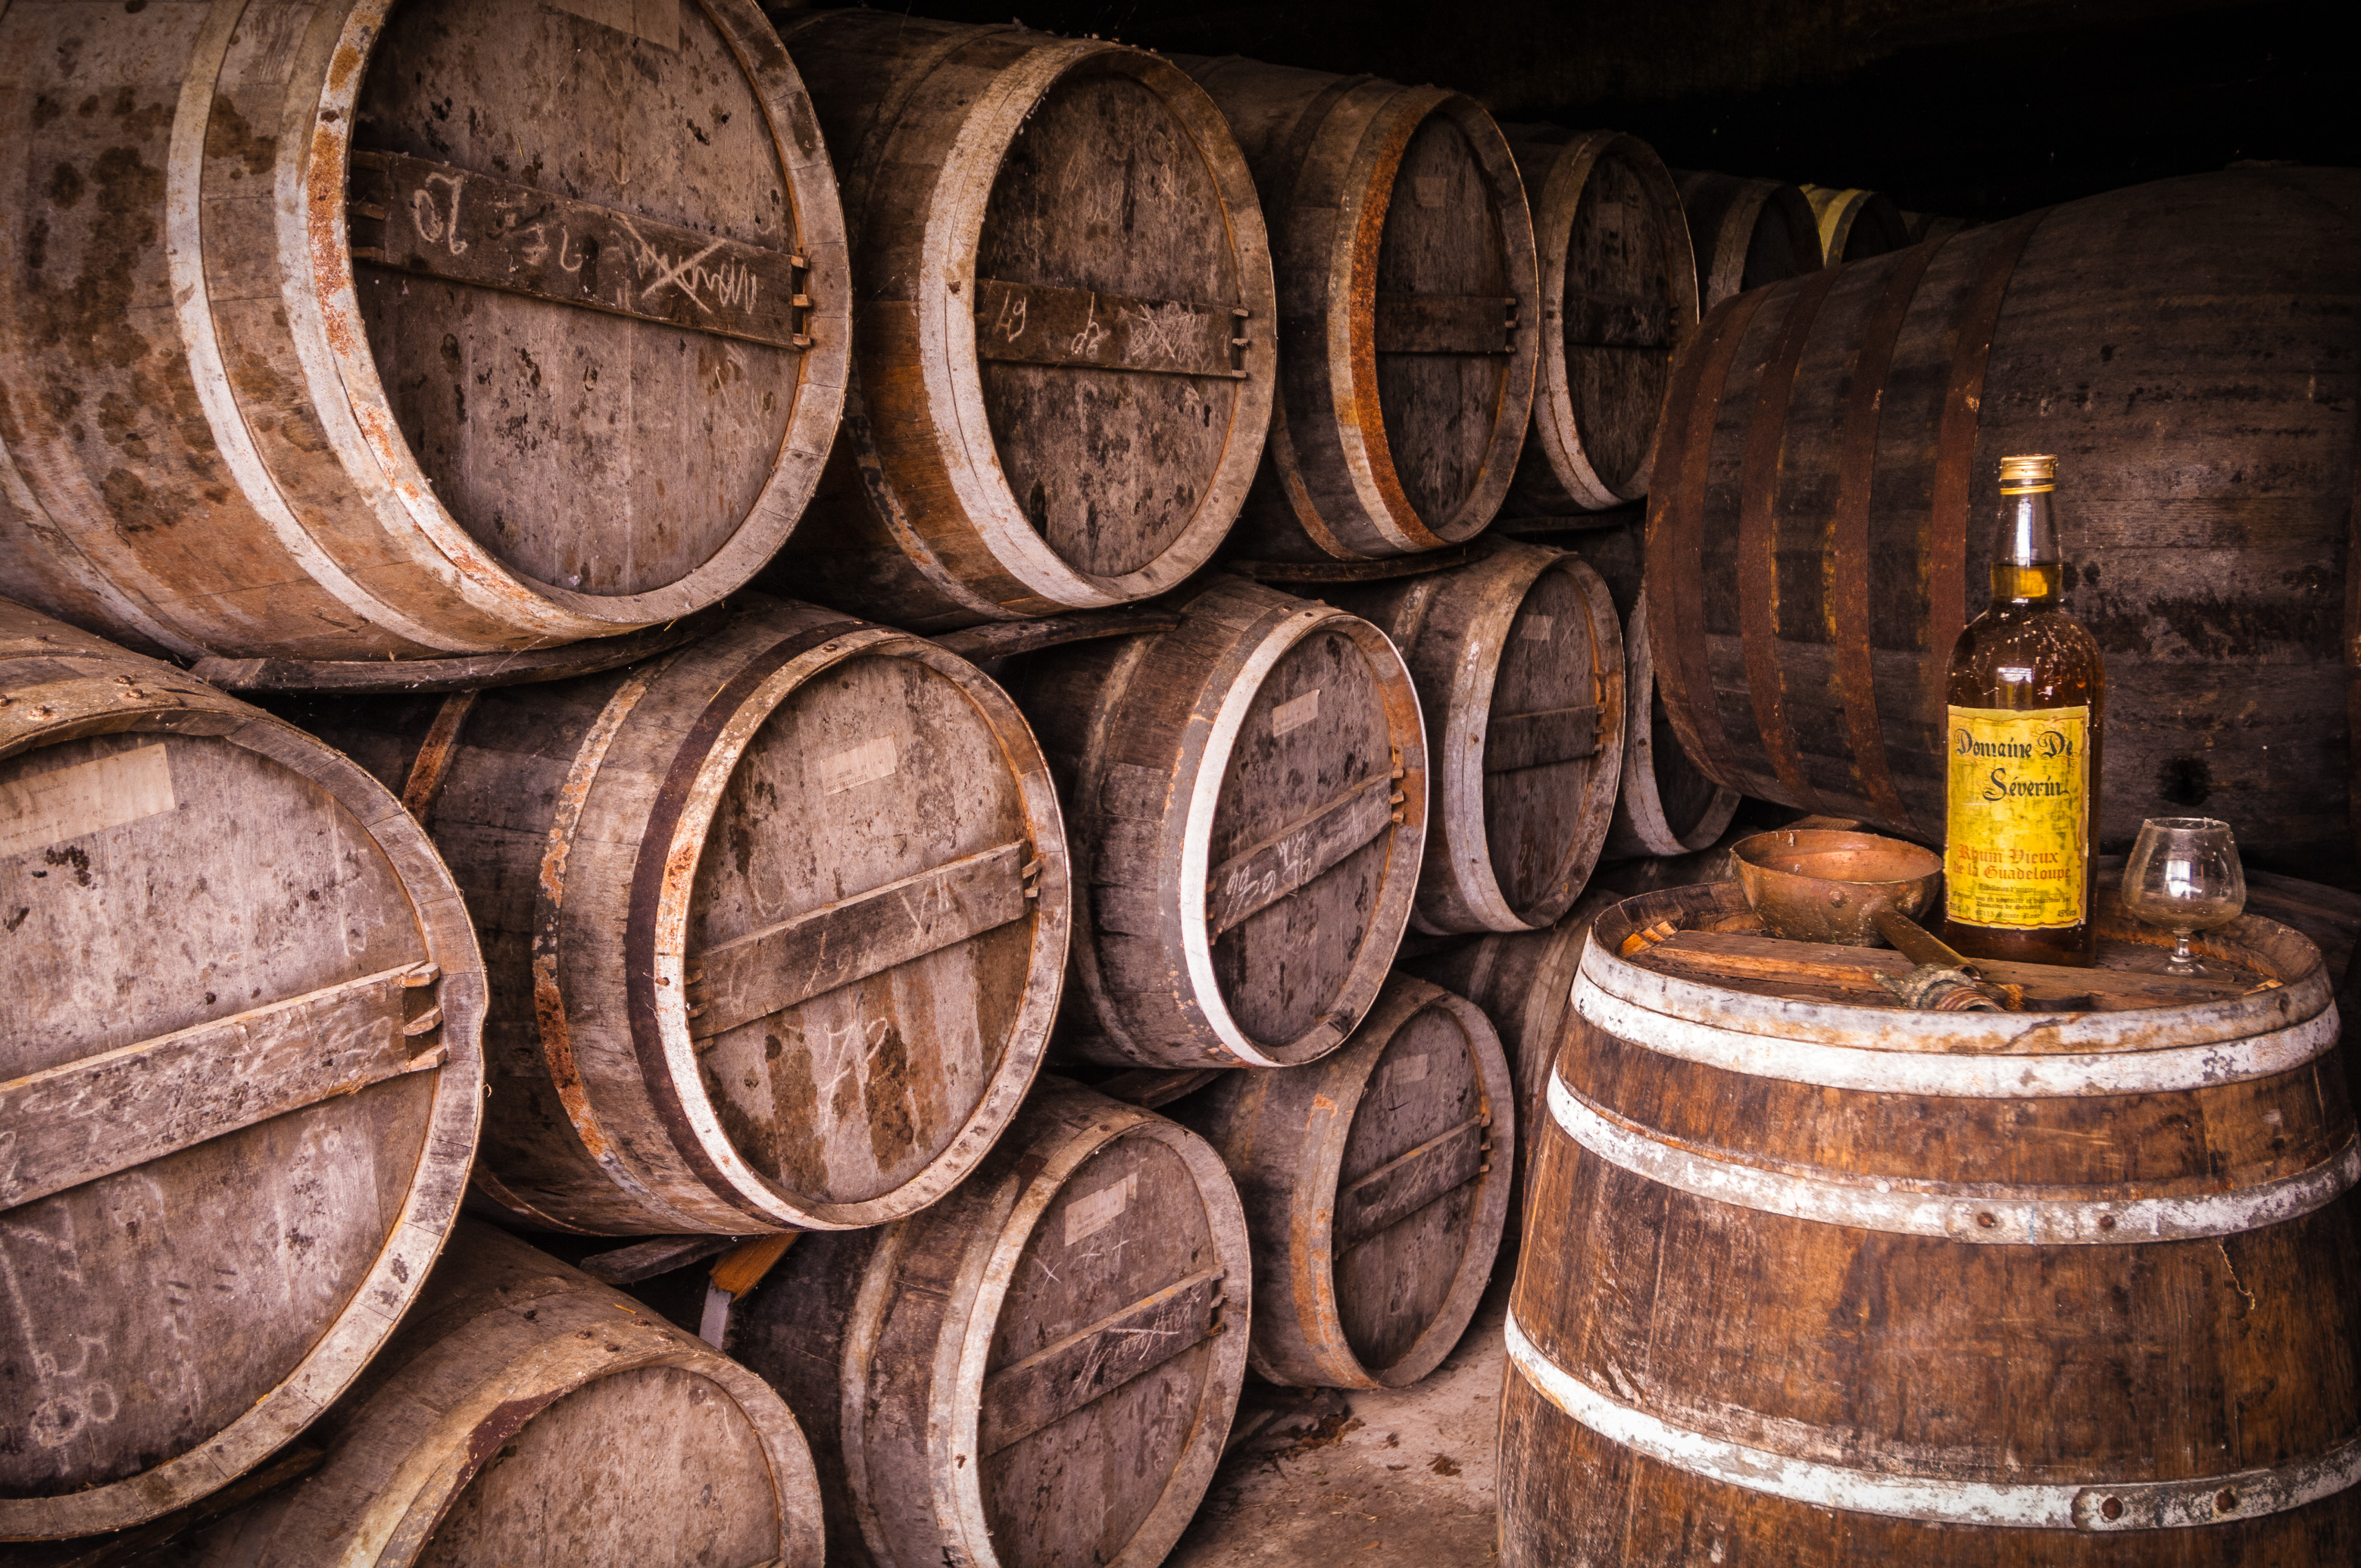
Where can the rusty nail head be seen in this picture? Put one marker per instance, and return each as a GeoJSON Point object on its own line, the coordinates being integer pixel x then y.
{"type": "Point", "coordinates": [2106, 1221]}
{"type": "Point", "coordinates": [1984, 1219]}
{"type": "Point", "coordinates": [2113, 1508]}
{"type": "Point", "coordinates": [2225, 1500]}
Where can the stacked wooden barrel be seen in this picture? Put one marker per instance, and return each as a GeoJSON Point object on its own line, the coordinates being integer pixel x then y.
{"type": "Point", "coordinates": [1066, 320]}
{"type": "Point", "coordinates": [1747, 232]}
{"type": "Point", "coordinates": [1409, 305]}
{"type": "Point", "coordinates": [240, 1079]}
{"type": "Point", "coordinates": [1819, 523]}
{"type": "Point", "coordinates": [1856, 225]}
{"type": "Point", "coordinates": [372, 334]}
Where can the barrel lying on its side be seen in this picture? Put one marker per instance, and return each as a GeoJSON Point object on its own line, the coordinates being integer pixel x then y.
{"type": "Point", "coordinates": [363, 332]}
{"type": "Point", "coordinates": [775, 922]}
{"type": "Point", "coordinates": [1856, 225]}
{"type": "Point", "coordinates": [241, 1074]}
{"type": "Point", "coordinates": [1747, 232]}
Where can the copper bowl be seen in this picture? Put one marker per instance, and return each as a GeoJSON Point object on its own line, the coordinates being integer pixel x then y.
{"type": "Point", "coordinates": [1814, 885]}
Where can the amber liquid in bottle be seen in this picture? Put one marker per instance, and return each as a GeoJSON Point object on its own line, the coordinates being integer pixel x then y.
{"type": "Point", "coordinates": [2026, 694]}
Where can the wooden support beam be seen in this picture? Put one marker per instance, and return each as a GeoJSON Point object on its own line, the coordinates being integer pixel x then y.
{"type": "Point", "coordinates": [1404, 1185]}
{"type": "Point", "coordinates": [1040, 323]}
{"type": "Point", "coordinates": [1618, 320]}
{"type": "Point", "coordinates": [1517, 740]}
{"type": "Point", "coordinates": [1260, 876]}
{"type": "Point", "coordinates": [1447, 323]}
{"type": "Point", "coordinates": [1086, 1365]}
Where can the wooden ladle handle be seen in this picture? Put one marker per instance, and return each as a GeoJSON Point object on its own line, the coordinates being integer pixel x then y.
{"type": "Point", "coordinates": [1914, 942]}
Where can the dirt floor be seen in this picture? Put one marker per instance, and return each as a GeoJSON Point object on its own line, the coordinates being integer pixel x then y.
{"type": "Point", "coordinates": [1357, 1479]}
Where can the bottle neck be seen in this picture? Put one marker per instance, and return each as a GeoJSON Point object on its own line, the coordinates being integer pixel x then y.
{"type": "Point", "coordinates": [2027, 567]}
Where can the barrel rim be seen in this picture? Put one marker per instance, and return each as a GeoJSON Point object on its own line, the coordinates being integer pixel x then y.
{"type": "Point", "coordinates": [1640, 805]}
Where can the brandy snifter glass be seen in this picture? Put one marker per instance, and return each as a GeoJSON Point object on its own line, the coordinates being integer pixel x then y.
{"type": "Point", "coordinates": [2184, 876]}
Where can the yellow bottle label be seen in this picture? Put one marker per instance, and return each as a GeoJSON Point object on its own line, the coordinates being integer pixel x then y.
{"type": "Point", "coordinates": [2019, 817]}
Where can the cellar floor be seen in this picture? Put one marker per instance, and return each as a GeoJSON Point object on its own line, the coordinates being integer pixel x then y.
{"type": "Point", "coordinates": [1362, 1479]}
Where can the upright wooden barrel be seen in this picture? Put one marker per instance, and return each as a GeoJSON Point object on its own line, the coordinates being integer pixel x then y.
{"type": "Point", "coordinates": [1518, 658]}
{"type": "Point", "coordinates": [1376, 1187]}
{"type": "Point", "coordinates": [1038, 1371]}
{"type": "Point", "coordinates": [1747, 232]}
{"type": "Point", "coordinates": [368, 331]}
{"type": "Point", "coordinates": [1410, 319]}
{"type": "Point", "coordinates": [1065, 364]}
{"type": "Point", "coordinates": [1618, 290]}
{"type": "Point", "coordinates": [1816, 1279]}
{"type": "Point", "coordinates": [241, 1074]}
{"type": "Point", "coordinates": [529, 1416]}
{"type": "Point", "coordinates": [775, 922]}
{"type": "Point", "coordinates": [1856, 225]}
{"type": "Point", "coordinates": [1822, 524]}
{"type": "Point", "coordinates": [1246, 799]}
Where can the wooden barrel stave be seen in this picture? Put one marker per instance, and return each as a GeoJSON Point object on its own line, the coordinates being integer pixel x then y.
{"type": "Point", "coordinates": [838, 843]}
{"type": "Point", "coordinates": [2227, 701]}
{"type": "Point", "coordinates": [1856, 225]}
{"type": "Point", "coordinates": [1409, 328]}
{"type": "Point", "coordinates": [1051, 411]}
{"type": "Point", "coordinates": [1505, 651]}
{"type": "Point", "coordinates": [1185, 768]}
{"type": "Point", "coordinates": [1376, 1188]}
{"type": "Point", "coordinates": [295, 471]}
{"type": "Point", "coordinates": [287, 1114]}
{"type": "Point", "coordinates": [987, 1379]}
{"type": "Point", "coordinates": [1849, 1341]}
{"type": "Point", "coordinates": [1748, 234]}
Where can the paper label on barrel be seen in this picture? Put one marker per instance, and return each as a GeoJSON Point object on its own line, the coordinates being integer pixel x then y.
{"type": "Point", "coordinates": [1094, 1211]}
{"type": "Point", "coordinates": [2019, 817]}
{"type": "Point", "coordinates": [71, 803]}
{"type": "Point", "coordinates": [658, 21]}
{"type": "Point", "coordinates": [1295, 713]}
{"type": "Point", "coordinates": [1537, 628]}
{"type": "Point", "coordinates": [857, 765]}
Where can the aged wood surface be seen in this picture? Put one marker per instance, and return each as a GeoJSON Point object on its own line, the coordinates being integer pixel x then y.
{"type": "Point", "coordinates": [1856, 225]}
{"type": "Point", "coordinates": [1619, 289]}
{"type": "Point", "coordinates": [530, 1417]}
{"type": "Point", "coordinates": [240, 1079]}
{"type": "Point", "coordinates": [1005, 639]}
{"type": "Point", "coordinates": [1248, 799]}
{"type": "Point", "coordinates": [321, 445]}
{"type": "Point", "coordinates": [1037, 1372]}
{"type": "Point", "coordinates": [776, 923]}
{"type": "Point", "coordinates": [1065, 350]}
{"type": "Point", "coordinates": [2216, 590]}
{"type": "Point", "coordinates": [1376, 1185]}
{"type": "Point", "coordinates": [470, 672]}
{"type": "Point", "coordinates": [1409, 318]}
{"type": "Point", "coordinates": [1747, 233]}
{"type": "Point", "coordinates": [1805, 1324]}
{"type": "Point", "coordinates": [1519, 662]}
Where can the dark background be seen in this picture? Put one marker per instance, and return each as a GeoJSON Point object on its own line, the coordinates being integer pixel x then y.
{"type": "Point", "coordinates": [1973, 108]}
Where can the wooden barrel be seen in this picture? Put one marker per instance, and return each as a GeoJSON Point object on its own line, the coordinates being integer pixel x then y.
{"type": "Point", "coordinates": [1246, 800]}
{"type": "Point", "coordinates": [775, 922]}
{"type": "Point", "coordinates": [1064, 363]}
{"type": "Point", "coordinates": [1856, 225]}
{"type": "Point", "coordinates": [1747, 232]}
{"type": "Point", "coordinates": [528, 1415]}
{"type": "Point", "coordinates": [1376, 1185]}
{"type": "Point", "coordinates": [1619, 289]}
{"type": "Point", "coordinates": [471, 350]}
{"type": "Point", "coordinates": [1518, 658]}
{"type": "Point", "coordinates": [1931, 225]}
{"type": "Point", "coordinates": [241, 1074]}
{"type": "Point", "coordinates": [1039, 1370]}
{"type": "Point", "coordinates": [1838, 437]}
{"type": "Point", "coordinates": [1878, 1284]}
{"type": "Point", "coordinates": [1408, 310]}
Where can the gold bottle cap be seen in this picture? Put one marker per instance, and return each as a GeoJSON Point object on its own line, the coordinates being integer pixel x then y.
{"type": "Point", "coordinates": [2020, 475]}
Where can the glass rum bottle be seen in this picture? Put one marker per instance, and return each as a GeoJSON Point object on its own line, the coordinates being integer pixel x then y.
{"type": "Point", "coordinates": [2026, 694]}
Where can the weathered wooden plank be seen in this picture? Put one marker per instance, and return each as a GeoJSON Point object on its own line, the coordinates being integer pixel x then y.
{"type": "Point", "coordinates": [1001, 639]}
{"type": "Point", "coordinates": [759, 973]}
{"type": "Point", "coordinates": [1053, 1383]}
{"type": "Point", "coordinates": [1404, 1185]}
{"type": "Point", "coordinates": [1617, 320]}
{"type": "Point", "coordinates": [1749, 961]}
{"type": "Point", "coordinates": [1042, 323]}
{"type": "Point", "coordinates": [437, 221]}
{"type": "Point", "coordinates": [1518, 740]}
{"type": "Point", "coordinates": [1447, 323]}
{"type": "Point", "coordinates": [1255, 878]}
{"type": "Point", "coordinates": [657, 1254]}
{"type": "Point", "coordinates": [69, 1124]}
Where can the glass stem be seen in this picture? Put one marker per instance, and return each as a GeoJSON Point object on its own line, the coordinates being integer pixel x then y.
{"type": "Point", "coordinates": [2183, 961]}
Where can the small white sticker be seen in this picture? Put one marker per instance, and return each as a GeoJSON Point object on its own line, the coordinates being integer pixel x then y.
{"type": "Point", "coordinates": [1537, 628]}
{"type": "Point", "coordinates": [1094, 1211]}
{"type": "Point", "coordinates": [1295, 713]}
{"type": "Point", "coordinates": [857, 765]}
{"type": "Point", "coordinates": [1410, 1070]}
{"type": "Point", "coordinates": [1432, 188]}
{"type": "Point", "coordinates": [69, 803]}
{"type": "Point", "coordinates": [658, 21]}
{"type": "Point", "coordinates": [1610, 216]}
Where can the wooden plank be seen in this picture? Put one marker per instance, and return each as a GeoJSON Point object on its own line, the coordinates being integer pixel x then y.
{"type": "Point", "coordinates": [85, 1119]}
{"type": "Point", "coordinates": [1447, 323]}
{"type": "Point", "coordinates": [1617, 320]}
{"type": "Point", "coordinates": [798, 958]}
{"type": "Point", "coordinates": [1749, 961]}
{"type": "Point", "coordinates": [1404, 1185]}
{"type": "Point", "coordinates": [1001, 639]}
{"type": "Point", "coordinates": [1040, 323]}
{"type": "Point", "coordinates": [1518, 740]}
{"type": "Point", "coordinates": [1053, 1383]}
{"type": "Point", "coordinates": [657, 1254]}
{"type": "Point", "coordinates": [419, 217]}
{"type": "Point", "coordinates": [1260, 876]}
